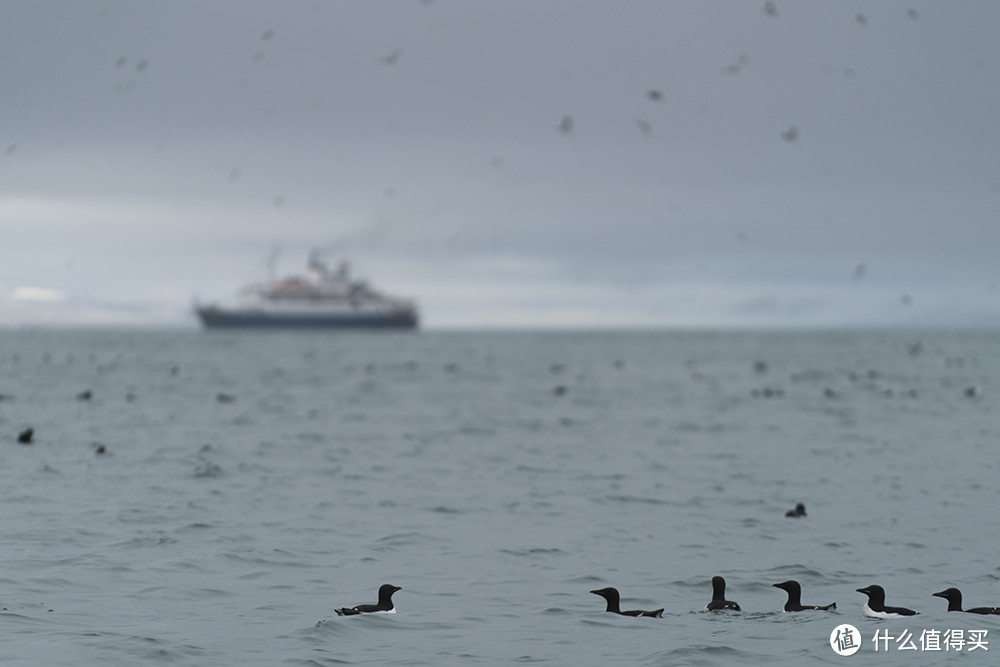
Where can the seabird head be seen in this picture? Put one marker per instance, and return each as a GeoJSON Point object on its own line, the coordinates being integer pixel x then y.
{"type": "Point", "coordinates": [791, 586]}
{"type": "Point", "coordinates": [608, 594]}
{"type": "Point", "coordinates": [385, 592]}
{"type": "Point", "coordinates": [953, 596]}
{"type": "Point", "coordinates": [876, 596]}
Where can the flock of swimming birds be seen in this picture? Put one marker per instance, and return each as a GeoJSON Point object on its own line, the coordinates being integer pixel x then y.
{"type": "Point", "coordinates": [875, 607]}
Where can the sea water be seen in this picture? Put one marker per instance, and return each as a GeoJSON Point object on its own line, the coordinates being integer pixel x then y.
{"type": "Point", "coordinates": [253, 482]}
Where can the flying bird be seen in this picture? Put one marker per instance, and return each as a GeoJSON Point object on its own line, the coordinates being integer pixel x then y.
{"type": "Point", "coordinates": [392, 58]}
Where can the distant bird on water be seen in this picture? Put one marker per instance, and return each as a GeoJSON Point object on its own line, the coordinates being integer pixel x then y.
{"type": "Point", "coordinates": [614, 604]}
{"type": "Point", "coordinates": [800, 510]}
{"type": "Point", "coordinates": [383, 606]}
{"type": "Point", "coordinates": [26, 436]}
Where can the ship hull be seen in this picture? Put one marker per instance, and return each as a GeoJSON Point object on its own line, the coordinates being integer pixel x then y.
{"type": "Point", "coordinates": [214, 318]}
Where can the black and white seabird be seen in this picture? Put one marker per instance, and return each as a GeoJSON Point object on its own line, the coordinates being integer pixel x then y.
{"type": "Point", "coordinates": [875, 607]}
{"type": "Point", "coordinates": [719, 600]}
{"type": "Point", "coordinates": [795, 597]}
{"type": "Point", "coordinates": [383, 606]}
{"type": "Point", "coordinates": [800, 510]}
{"type": "Point", "coordinates": [614, 604]}
{"type": "Point", "coordinates": [954, 598]}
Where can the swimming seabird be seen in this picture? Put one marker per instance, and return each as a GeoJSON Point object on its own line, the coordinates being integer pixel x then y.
{"type": "Point", "coordinates": [611, 595]}
{"type": "Point", "coordinates": [800, 510]}
{"type": "Point", "coordinates": [954, 598]}
{"type": "Point", "coordinates": [875, 607]}
{"type": "Point", "coordinates": [795, 597]}
{"type": "Point", "coordinates": [384, 604]}
{"type": "Point", "coordinates": [719, 600]}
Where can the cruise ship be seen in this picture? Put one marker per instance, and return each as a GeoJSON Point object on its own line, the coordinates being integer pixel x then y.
{"type": "Point", "coordinates": [320, 298]}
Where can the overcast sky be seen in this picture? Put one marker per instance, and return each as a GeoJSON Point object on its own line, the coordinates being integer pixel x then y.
{"type": "Point", "coordinates": [515, 163]}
